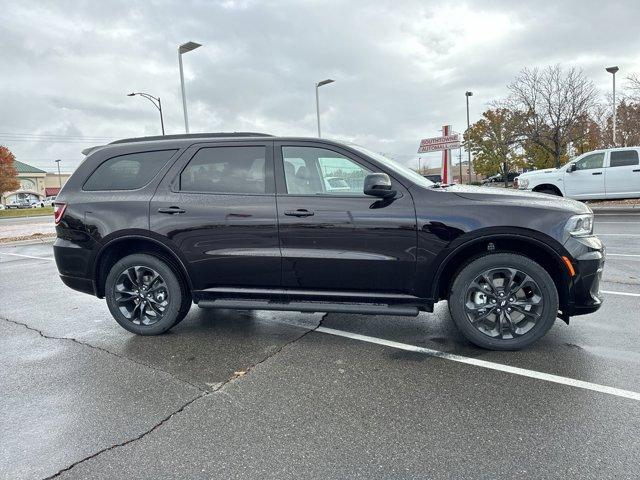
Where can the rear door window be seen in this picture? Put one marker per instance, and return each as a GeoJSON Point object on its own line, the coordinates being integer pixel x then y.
{"type": "Point", "coordinates": [623, 158]}
{"type": "Point", "coordinates": [127, 172]}
{"type": "Point", "coordinates": [226, 170]}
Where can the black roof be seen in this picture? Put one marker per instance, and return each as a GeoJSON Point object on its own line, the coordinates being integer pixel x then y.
{"type": "Point", "coordinates": [186, 136]}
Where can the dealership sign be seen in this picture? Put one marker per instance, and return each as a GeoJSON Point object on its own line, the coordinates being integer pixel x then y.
{"type": "Point", "coordinates": [437, 144]}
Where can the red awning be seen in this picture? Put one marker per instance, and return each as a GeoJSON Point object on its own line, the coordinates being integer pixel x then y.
{"type": "Point", "coordinates": [51, 191]}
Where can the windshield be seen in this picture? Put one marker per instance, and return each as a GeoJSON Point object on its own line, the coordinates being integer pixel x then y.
{"type": "Point", "coordinates": [398, 168]}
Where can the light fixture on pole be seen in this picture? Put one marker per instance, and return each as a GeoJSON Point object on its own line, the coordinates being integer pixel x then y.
{"type": "Point", "coordinates": [612, 71]}
{"type": "Point", "coordinates": [156, 103]}
{"type": "Point", "coordinates": [467, 95]}
{"type": "Point", "coordinates": [318, 85]}
{"type": "Point", "coordinates": [59, 176]}
{"type": "Point", "coordinates": [184, 48]}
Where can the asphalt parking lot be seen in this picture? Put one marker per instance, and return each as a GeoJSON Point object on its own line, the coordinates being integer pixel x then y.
{"type": "Point", "coordinates": [230, 394]}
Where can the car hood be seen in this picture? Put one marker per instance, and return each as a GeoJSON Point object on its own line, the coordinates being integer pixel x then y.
{"type": "Point", "coordinates": [534, 173]}
{"type": "Point", "coordinates": [518, 197]}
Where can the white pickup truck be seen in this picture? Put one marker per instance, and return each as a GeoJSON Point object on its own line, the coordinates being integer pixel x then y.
{"type": "Point", "coordinates": [600, 174]}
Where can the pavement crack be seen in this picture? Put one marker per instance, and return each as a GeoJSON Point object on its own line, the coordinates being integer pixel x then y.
{"type": "Point", "coordinates": [131, 440]}
{"type": "Point", "coordinates": [104, 350]}
{"type": "Point", "coordinates": [248, 369]}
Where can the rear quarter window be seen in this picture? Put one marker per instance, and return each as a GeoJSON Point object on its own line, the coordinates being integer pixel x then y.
{"type": "Point", "coordinates": [127, 172]}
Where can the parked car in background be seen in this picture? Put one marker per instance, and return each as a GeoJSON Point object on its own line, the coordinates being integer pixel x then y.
{"type": "Point", "coordinates": [336, 184]}
{"type": "Point", "coordinates": [433, 178]}
{"type": "Point", "coordinates": [15, 204]}
{"type": "Point", "coordinates": [499, 178]}
{"type": "Point", "coordinates": [48, 201]}
{"type": "Point", "coordinates": [600, 174]}
{"type": "Point", "coordinates": [246, 221]}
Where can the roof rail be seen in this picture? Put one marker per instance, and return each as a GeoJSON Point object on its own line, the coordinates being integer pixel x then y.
{"type": "Point", "coordinates": [192, 135]}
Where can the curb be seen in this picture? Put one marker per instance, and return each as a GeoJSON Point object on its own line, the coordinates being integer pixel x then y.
{"type": "Point", "coordinates": [597, 210]}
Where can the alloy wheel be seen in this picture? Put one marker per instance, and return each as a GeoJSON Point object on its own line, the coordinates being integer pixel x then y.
{"type": "Point", "coordinates": [504, 303]}
{"type": "Point", "coordinates": [141, 295]}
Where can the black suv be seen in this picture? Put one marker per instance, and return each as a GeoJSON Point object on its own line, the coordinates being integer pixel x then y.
{"type": "Point", "coordinates": [251, 221]}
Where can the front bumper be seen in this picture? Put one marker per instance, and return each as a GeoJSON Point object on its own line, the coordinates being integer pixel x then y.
{"type": "Point", "coordinates": [589, 258]}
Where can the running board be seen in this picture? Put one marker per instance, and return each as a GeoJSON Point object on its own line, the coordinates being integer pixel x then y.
{"type": "Point", "coordinates": [311, 307]}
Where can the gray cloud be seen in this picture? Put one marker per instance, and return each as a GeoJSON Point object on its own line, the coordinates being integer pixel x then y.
{"type": "Point", "coordinates": [401, 67]}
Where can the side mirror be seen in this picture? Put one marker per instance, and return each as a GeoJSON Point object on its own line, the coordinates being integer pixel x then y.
{"type": "Point", "coordinates": [572, 168]}
{"type": "Point", "coordinates": [378, 185]}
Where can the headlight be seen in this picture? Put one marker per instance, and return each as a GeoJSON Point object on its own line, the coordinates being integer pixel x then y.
{"type": "Point", "coordinates": [523, 183]}
{"type": "Point", "coordinates": [580, 225]}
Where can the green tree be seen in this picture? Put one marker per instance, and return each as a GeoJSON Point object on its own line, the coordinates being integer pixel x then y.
{"type": "Point", "coordinates": [8, 174]}
{"type": "Point", "coordinates": [493, 140]}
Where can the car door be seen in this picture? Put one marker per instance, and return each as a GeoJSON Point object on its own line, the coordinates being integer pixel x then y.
{"type": "Point", "coordinates": [336, 238]}
{"type": "Point", "coordinates": [217, 207]}
{"type": "Point", "coordinates": [587, 180]}
{"type": "Point", "coordinates": [622, 177]}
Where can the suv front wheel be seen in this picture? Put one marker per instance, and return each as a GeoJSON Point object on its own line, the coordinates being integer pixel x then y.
{"type": "Point", "coordinates": [503, 301]}
{"type": "Point", "coordinates": [145, 295]}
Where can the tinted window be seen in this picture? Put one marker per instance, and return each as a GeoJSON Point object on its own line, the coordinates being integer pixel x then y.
{"type": "Point", "coordinates": [590, 162]}
{"type": "Point", "coordinates": [226, 170]}
{"type": "Point", "coordinates": [623, 158]}
{"type": "Point", "coordinates": [128, 172]}
{"type": "Point", "coordinates": [313, 171]}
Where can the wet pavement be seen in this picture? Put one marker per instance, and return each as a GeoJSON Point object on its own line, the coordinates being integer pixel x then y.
{"type": "Point", "coordinates": [230, 394]}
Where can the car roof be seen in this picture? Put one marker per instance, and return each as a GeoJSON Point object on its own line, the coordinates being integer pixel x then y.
{"type": "Point", "coordinates": [188, 139]}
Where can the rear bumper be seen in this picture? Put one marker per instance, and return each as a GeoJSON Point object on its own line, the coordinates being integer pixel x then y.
{"type": "Point", "coordinates": [72, 262]}
{"type": "Point", "coordinates": [83, 285]}
{"type": "Point", "coordinates": [589, 259]}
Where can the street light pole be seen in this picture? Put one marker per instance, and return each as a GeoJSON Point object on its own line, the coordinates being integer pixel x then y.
{"type": "Point", "coordinates": [184, 48]}
{"type": "Point", "coordinates": [318, 85]}
{"type": "Point", "coordinates": [59, 176]}
{"type": "Point", "coordinates": [612, 71]}
{"type": "Point", "coordinates": [153, 100]}
{"type": "Point", "coordinates": [467, 95]}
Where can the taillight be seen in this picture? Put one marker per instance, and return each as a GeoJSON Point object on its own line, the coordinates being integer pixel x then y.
{"type": "Point", "coordinates": [58, 211]}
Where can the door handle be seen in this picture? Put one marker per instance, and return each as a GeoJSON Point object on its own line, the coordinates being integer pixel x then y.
{"type": "Point", "coordinates": [171, 210]}
{"type": "Point", "coordinates": [637, 170]}
{"type": "Point", "coordinates": [596, 173]}
{"type": "Point", "coordinates": [301, 212]}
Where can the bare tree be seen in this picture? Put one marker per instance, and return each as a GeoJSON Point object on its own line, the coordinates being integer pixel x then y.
{"type": "Point", "coordinates": [554, 103]}
{"type": "Point", "coordinates": [633, 87]}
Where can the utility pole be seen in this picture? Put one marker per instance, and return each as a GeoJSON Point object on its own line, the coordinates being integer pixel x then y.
{"type": "Point", "coordinates": [467, 95]}
{"type": "Point", "coordinates": [59, 176]}
{"type": "Point", "coordinates": [612, 71]}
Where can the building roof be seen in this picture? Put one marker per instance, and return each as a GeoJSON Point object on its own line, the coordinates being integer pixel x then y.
{"type": "Point", "coordinates": [25, 168]}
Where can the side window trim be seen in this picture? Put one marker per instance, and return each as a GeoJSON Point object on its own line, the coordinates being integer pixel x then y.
{"type": "Point", "coordinates": [174, 184]}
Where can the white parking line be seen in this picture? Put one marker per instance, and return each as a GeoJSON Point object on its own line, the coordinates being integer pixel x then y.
{"type": "Point", "coordinates": [26, 256]}
{"type": "Point", "coordinates": [616, 214]}
{"type": "Point", "coordinates": [609, 254]}
{"type": "Point", "coordinates": [627, 294]}
{"type": "Point", "coordinates": [617, 234]}
{"type": "Point", "coordinates": [523, 372]}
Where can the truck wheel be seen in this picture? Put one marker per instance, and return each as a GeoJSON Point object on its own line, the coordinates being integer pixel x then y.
{"type": "Point", "coordinates": [145, 295]}
{"type": "Point", "coordinates": [503, 301]}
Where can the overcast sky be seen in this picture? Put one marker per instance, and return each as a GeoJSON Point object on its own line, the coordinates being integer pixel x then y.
{"type": "Point", "coordinates": [401, 67]}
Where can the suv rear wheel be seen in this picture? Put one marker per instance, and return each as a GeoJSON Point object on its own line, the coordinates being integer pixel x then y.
{"type": "Point", "coordinates": [503, 301]}
{"type": "Point", "coordinates": [145, 296]}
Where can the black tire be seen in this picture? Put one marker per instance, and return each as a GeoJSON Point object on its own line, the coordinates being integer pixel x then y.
{"type": "Point", "coordinates": [172, 288]}
{"type": "Point", "coordinates": [538, 317]}
{"type": "Point", "coordinates": [549, 191]}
